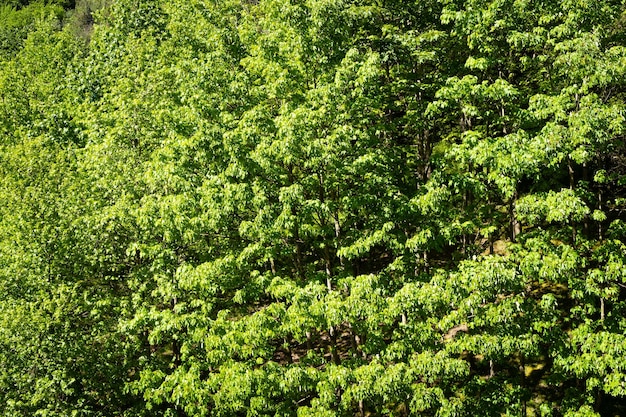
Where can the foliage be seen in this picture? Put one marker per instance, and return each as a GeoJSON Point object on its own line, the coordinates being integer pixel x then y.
{"type": "Point", "coordinates": [312, 208]}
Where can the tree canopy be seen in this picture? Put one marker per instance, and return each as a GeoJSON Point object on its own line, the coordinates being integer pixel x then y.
{"type": "Point", "coordinates": [312, 208]}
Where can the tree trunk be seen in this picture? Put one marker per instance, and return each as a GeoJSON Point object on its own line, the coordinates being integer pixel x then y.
{"type": "Point", "coordinates": [522, 370]}
{"type": "Point", "coordinates": [600, 232]}
{"type": "Point", "coordinates": [514, 224]}
{"type": "Point", "coordinates": [333, 346]}
{"type": "Point", "coordinates": [601, 308]}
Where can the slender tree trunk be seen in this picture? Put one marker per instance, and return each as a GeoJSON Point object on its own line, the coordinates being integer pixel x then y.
{"type": "Point", "coordinates": [570, 170]}
{"type": "Point", "coordinates": [175, 344]}
{"type": "Point", "coordinates": [328, 269]}
{"type": "Point", "coordinates": [333, 347]}
{"type": "Point", "coordinates": [600, 231]}
{"type": "Point", "coordinates": [425, 150]}
{"type": "Point", "coordinates": [522, 370]}
{"type": "Point", "coordinates": [514, 224]}
{"type": "Point", "coordinates": [337, 234]}
{"type": "Point", "coordinates": [601, 308]}
{"type": "Point", "coordinates": [424, 262]}
{"type": "Point", "coordinates": [296, 232]}
{"type": "Point", "coordinates": [298, 260]}
{"type": "Point", "coordinates": [586, 228]}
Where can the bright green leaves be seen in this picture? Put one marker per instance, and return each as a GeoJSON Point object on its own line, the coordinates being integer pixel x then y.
{"type": "Point", "coordinates": [563, 206]}
{"type": "Point", "coordinates": [323, 207]}
{"type": "Point", "coordinates": [598, 358]}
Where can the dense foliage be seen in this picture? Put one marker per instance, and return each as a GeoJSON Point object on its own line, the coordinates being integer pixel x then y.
{"type": "Point", "coordinates": [312, 208]}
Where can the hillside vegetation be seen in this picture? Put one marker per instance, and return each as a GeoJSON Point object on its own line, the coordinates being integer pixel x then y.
{"type": "Point", "coordinates": [313, 208]}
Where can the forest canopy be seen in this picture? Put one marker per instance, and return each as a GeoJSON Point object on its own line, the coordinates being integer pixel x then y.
{"type": "Point", "coordinates": [312, 208]}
